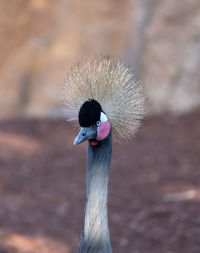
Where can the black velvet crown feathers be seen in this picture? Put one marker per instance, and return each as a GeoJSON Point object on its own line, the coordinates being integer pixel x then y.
{"type": "Point", "coordinates": [89, 113]}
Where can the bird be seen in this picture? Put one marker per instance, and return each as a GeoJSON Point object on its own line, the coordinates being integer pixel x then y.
{"type": "Point", "coordinates": [102, 95]}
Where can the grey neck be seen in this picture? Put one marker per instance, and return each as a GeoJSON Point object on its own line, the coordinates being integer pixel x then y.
{"type": "Point", "coordinates": [95, 234]}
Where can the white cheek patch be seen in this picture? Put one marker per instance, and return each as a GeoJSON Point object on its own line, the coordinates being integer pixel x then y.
{"type": "Point", "coordinates": [103, 117]}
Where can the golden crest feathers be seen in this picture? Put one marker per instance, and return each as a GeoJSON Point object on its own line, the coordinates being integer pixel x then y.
{"type": "Point", "coordinates": [114, 87]}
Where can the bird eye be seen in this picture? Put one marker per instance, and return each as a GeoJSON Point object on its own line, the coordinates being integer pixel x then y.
{"type": "Point", "coordinates": [98, 123]}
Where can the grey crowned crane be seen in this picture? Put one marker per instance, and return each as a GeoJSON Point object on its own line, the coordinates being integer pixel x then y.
{"type": "Point", "coordinates": [108, 103]}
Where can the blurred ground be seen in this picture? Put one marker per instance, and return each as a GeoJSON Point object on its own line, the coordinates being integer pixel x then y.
{"type": "Point", "coordinates": [154, 197]}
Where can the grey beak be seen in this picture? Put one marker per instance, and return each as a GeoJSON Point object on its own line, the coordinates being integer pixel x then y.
{"type": "Point", "coordinates": [86, 133]}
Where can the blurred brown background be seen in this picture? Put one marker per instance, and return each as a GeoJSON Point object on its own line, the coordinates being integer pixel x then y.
{"type": "Point", "coordinates": [41, 39]}
{"type": "Point", "coordinates": [154, 197]}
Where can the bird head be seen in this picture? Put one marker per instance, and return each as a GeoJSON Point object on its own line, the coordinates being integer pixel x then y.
{"type": "Point", "coordinates": [94, 123]}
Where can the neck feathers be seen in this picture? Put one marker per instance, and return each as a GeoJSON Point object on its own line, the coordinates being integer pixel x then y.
{"type": "Point", "coordinates": [95, 234]}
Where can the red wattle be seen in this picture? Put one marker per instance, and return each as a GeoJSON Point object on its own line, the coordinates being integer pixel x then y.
{"type": "Point", "coordinates": [93, 143]}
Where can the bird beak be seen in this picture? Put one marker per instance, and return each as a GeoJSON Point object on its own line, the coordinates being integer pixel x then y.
{"type": "Point", "coordinates": [86, 133]}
